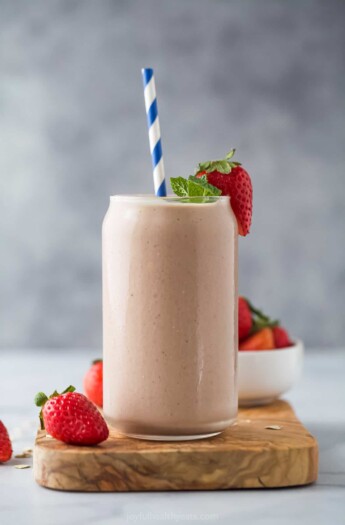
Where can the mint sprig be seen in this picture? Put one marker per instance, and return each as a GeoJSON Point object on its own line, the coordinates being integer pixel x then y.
{"type": "Point", "coordinates": [193, 187]}
{"type": "Point", "coordinates": [199, 187]}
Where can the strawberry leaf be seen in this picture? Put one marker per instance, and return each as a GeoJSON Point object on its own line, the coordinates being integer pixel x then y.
{"type": "Point", "coordinates": [70, 388]}
{"type": "Point", "coordinates": [230, 154]}
{"type": "Point", "coordinates": [204, 166]}
{"type": "Point", "coordinates": [40, 398]}
{"type": "Point", "coordinates": [259, 319]}
{"type": "Point", "coordinates": [222, 166]}
{"type": "Point", "coordinates": [259, 324]}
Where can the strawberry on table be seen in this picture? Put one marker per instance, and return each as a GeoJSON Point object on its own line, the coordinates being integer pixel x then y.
{"type": "Point", "coordinates": [93, 382]}
{"type": "Point", "coordinates": [70, 417]}
{"type": "Point", "coordinates": [5, 444]}
{"type": "Point", "coordinates": [233, 180]}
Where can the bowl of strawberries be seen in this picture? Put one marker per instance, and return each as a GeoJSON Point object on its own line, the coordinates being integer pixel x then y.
{"type": "Point", "coordinates": [270, 361]}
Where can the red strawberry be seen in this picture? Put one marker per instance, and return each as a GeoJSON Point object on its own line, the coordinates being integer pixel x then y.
{"type": "Point", "coordinates": [70, 417]}
{"type": "Point", "coordinates": [244, 318]}
{"type": "Point", "coordinates": [281, 337]}
{"type": "Point", "coordinates": [93, 383]}
{"type": "Point", "coordinates": [5, 444]}
{"type": "Point", "coordinates": [261, 340]}
{"type": "Point", "coordinates": [232, 180]}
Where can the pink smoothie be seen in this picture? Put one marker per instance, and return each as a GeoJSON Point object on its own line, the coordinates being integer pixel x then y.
{"type": "Point", "coordinates": [169, 316]}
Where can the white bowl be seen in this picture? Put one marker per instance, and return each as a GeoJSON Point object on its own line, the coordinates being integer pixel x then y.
{"type": "Point", "coordinates": [264, 375]}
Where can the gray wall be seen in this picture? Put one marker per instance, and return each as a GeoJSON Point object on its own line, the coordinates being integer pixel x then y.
{"type": "Point", "coordinates": [267, 77]}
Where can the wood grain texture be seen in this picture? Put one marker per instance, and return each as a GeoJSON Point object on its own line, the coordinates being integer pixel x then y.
{"type": "Point", "coordinates": [247, 455]}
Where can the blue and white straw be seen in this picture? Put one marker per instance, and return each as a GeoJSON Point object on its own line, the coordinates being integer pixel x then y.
{"type": "Point", "coordinates": [154, 132]}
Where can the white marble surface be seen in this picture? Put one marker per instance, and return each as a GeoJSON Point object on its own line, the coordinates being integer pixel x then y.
{"type": "Point", "coordinates": [319, 401]}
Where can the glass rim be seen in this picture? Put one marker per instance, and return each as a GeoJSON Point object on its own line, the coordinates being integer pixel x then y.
{"type": "Point", "coordinates": [169, 198]}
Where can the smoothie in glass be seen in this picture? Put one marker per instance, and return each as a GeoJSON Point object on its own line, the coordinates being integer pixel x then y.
{"type": "Point", "coordinates": [170, 316]}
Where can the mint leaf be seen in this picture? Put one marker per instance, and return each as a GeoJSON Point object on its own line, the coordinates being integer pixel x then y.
{"type": "Point", "coordinates": [194, 187]}
{"type": "Point", "coordinates": [179, 186]}
{"type": "Point", "coordinates": [200, 186]}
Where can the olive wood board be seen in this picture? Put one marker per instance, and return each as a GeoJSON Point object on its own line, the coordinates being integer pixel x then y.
{"type": "Point", "coordinates": [246, 455]}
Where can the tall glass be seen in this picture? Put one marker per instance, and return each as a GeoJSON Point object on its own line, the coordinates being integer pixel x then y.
{"type": "Point", "coordinates": [170, 316]}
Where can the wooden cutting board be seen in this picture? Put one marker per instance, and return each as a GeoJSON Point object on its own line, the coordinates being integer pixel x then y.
{"type": "Point", "coordinates": [247, 455]}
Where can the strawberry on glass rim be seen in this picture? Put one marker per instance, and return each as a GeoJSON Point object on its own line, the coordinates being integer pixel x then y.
{"type": "Point", "coordinates": [232, 180]}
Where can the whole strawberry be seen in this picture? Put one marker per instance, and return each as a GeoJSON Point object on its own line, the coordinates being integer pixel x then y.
{"type": "Point", "coordinates": [5, 444]}
{"type": "Point", "coordinates": [281, 337]}
{"type": "Point", "coordinates": [70, 417]}
{"type": "Point", "coordinates": [244, 318]}
{"type": "Point", "coordinates": [233, 180]}
{"type": "Point", "coordinates": [93, 383]}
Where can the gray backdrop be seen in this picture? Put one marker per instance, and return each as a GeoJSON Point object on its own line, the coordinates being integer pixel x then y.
{"type": "Point", "coordinates": [267, 77]}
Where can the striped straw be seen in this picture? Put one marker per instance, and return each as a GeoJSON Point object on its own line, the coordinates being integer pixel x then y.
{"type": "Point", "coordinates": [154, 132]}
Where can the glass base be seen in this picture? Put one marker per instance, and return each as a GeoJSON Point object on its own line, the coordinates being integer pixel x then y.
{"type": "Point", "coordinates": [171, 438]}
{"type": "Point", "coordinates": [259, 401]}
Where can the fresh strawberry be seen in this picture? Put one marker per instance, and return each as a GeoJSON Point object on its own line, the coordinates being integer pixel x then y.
{"type": "Point", "coordinates": [5, 444]}
{"type": "Point", "coordinates": [70, 417]}
{"type": "Point", "coordinates": [262, 340]}
{"type": "Point", "coordinates": [281, 337]}
{"type": "Point", "coordinates": [93, 383]}
{"type": "Point", "coordinates": [229, 177]}
{"type": "Point", "coordinates": [257, 331]}
{"type": "Point", "coordinates": [244, 318]}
